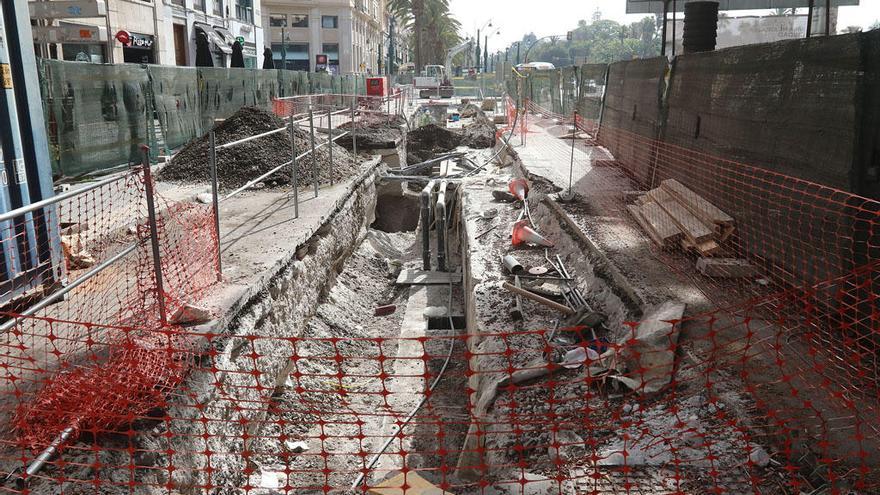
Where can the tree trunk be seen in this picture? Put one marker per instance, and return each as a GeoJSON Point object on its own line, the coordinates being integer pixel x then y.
{"type": "Point", "coordinates": [418, 9]}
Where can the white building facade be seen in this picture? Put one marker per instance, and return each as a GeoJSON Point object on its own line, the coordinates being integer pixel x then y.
{"type": "Point", "coordinates": [341, 36]}
{"type": "Point", "coordinates": [163, 32]}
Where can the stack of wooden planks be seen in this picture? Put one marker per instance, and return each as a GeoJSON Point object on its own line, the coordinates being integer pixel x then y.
{"type": "Point", "coordinates": [674, 216]}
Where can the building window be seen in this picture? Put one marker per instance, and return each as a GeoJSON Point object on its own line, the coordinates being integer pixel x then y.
{"type": "Point", "coordinates": [332, 52]}
{"type": "Point", "coordinates": [179, 3]}
{"type": "Point", "coordinates": [329, 21]}
{"type": "Point", "coordinates": [218, 7]}
{"type": "Point", "coordinates": [291, 56]}
{"type": "Point", "coordinates": [244, 10]}
{"type": "Point", "coordinates": [199, 5]}
{"type": "Point", "coordinates": [277, 20]}
{"type": "Point", "coordinates": [299, 21]}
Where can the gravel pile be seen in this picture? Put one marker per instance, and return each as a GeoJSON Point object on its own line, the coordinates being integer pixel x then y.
{"type": "Point", "coordinates": [240, 164]}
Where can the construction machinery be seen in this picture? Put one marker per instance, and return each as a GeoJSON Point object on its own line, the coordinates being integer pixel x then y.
{"type": "Point", "coordinates": [435, 79]}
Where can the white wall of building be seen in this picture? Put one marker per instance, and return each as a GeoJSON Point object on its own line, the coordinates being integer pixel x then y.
{"type": "Point", "coordinates": [156, 20]}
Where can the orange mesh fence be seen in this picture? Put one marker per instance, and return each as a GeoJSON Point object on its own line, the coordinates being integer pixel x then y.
{"type": "Point", "coordinates": [745, 406]}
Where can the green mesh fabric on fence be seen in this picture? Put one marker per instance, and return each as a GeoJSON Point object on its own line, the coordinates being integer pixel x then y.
{"type": "Point", "coordinates": [175, 92]}
{"type": "Point", "coordinates": [96, 114]}
{"type": "Point", "coordinates": [592, 81]}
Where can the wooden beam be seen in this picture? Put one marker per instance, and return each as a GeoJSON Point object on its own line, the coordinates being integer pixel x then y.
{"type": "Point", "coordinates": [701, 208]}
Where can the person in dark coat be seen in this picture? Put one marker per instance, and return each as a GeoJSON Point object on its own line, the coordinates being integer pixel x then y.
{"type": "Point", "coordinates": [237, 56]}
{"type": "Point", "coordinates": [203, 51]}
{"type": "Point", "coordinates": [268, 58]}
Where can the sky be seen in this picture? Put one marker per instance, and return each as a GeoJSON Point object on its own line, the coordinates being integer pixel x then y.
{"type": "Point", "coordinates": [515, 18]}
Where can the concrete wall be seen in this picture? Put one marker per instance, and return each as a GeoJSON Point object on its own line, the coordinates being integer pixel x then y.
{"type": "Point", "coordinates": [633, 105]}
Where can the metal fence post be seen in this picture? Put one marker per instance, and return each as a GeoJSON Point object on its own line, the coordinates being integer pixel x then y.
{"type": "Point", "coordinates": [330, 141]}
{"type": "Point", "coordinates": [154, 234]}
{"type": "Point", "coordinates": [314, 155]}
{"type": "Point", "coordinates": [293, 167]}
{"type": "Point", "coordinates": [215, 198]}
{"type": "Point", "coordinates": [354, 142]}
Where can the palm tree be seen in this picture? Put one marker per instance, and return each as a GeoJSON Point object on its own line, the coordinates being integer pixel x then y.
{"type": "Point", "coordinates": [431, 25]}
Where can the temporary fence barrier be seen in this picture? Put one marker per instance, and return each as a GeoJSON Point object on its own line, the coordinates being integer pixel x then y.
{"type": "Point", "coordinates": [98, 115]}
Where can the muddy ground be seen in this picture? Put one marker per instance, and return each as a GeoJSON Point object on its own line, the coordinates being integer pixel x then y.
{"type": "Point", "coordinates": [242, 163]}
{"type": "Point", "coordinates": [373, 132]}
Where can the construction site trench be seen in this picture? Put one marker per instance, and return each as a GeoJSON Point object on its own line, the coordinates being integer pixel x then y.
{"type": "Point", "coordinates": [456, 320]}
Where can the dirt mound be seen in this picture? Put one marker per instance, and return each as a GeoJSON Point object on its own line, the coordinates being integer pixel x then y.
{"type": "Point", "coordinates": [240, 164]}
{"type": "Point", "coordinates": [374, 133]}
{"type": "Point", "coordinates": [433, 138]}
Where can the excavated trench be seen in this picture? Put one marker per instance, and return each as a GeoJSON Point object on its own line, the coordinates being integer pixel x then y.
{"type": "Point", "coordinates": [319, 371]}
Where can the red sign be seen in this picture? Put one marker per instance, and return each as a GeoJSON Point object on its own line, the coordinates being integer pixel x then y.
{"type": "Point", "coordinates": [123, 37]}
{"type": "Point", "coordinates": [321, 59]}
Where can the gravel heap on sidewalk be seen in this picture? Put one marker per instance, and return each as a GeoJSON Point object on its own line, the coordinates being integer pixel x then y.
{"type": "Point", "coordinates": [240, 164]}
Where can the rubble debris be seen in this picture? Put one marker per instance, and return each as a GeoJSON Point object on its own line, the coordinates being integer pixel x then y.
{"type": "Point", "coordinates": [78, 257]}
{"type": "Point", "coordinates": [385, 310]}
{"type": "Point", "coordinates": [516, 312]}
{"type": "Point", "coordinates": [409, 483]}
{"type": "Point", "coordinates": [240, 164]}
{"type": "Point", "coordinates": [297, 447]}
{"type": "Point", "coordinates": [205, 198]}
{"type": "Point", "coordinates": [504, 196]}
{"type": "Point", "coordinates": [538, 270]}
{"type": "Point", "coordinates": [650, 349]}
{"type": "Point", "coordinates": [190, 314]}
{"type": "Point", "coordinates": [726, 268]}
{"type": "Point", "coordinates": [673, 215]}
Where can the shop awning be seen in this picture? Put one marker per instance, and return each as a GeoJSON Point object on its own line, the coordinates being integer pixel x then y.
{"type": "Point", "coordinates": [213, 37]}
{"type": "Point", "coordinates": [225, 34]}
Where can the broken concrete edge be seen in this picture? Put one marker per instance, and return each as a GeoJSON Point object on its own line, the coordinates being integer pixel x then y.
{"type": "Point", "coordinates": [228, 314]}
{"type": "Point", "coordinates": [605, 269]}
{"type": "Point", "coordinates": [282, 295]}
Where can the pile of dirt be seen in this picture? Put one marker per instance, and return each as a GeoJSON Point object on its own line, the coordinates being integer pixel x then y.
{"type": "Point", "coordinates": [374, 133]}
{"type": "Point", "coordinates": [432, 138]}
{"type": "Point", "coordinates": [242, 163]}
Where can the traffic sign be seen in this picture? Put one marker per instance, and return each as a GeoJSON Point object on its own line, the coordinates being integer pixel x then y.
{"type": "Point", "coordinates": [67, 9]}
{"type": "Point", "coordinates": [69, 34]}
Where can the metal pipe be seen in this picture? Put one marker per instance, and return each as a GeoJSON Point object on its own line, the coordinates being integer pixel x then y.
{"type": "Point", "coordinates": [55, 296]}
{"type": "Point", "coordinates": [154, 235]}
{"type": "Point", "coordinates": [571, 165]}
{"type": "Point", "coordinates": [538, 299]}
{"type": "Point", "coordinates": [513, 266]}
{"type": "Point", "coordinates": [810, 10]}
{"type": "Point", "coordinates": [354, 143]}
{"type": "Point", "coordinates": [425, 198]}
{"type": "Point", "coordinates": [294, 180]}
{"type": "Point", "coordinates": [9, 215]}
{"type": "Point", "coordinates": [251, 138]}
{"type": "Point", "coordinates": [215, 200]}
{"type": "Point", "coordinates": [330, 146]}
{"type": "Point", "coordinates": [314, 155]}
{"type": "Point", "coordinates": [441, 226]}
{"type": "Point", "coordinates": [38, 463]}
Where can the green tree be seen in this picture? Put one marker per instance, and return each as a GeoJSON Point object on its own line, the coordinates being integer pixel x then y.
{"type": "Point", "coordinates": [434, 29]}
{"type": "Point", "coordinates": [601, 41]}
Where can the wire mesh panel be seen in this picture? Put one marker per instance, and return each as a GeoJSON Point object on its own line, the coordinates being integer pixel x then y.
{"type": "Point", "coordinates": [97, 114]}
{"type": "Point", "coordinates": [176, 93]}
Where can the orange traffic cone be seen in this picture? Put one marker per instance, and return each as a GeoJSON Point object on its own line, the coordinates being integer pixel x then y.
{"type": "Point", "coordinates": [523, 234]}
{"type": "Point", "coordinates": [519, 188]}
